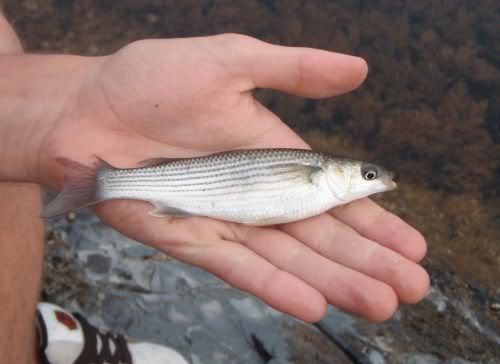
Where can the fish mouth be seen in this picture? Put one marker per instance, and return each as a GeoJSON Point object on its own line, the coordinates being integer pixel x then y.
{"type": "Point", "coordinates": [390, 183]}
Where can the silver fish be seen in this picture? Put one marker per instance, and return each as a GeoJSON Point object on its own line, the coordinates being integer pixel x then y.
{"type": "Point", "coordinates": [256, 186]}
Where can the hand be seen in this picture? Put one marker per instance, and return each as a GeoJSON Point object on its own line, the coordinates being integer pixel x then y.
{"type": "Point", "coordinates": [187, 97]}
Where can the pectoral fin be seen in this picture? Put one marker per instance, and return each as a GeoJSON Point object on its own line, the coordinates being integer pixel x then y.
{"type": "Point", "coordinates": [308, 171]}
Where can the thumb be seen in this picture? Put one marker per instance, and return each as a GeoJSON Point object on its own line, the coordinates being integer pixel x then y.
{"type": "Point", "coordinates": [303, 72]}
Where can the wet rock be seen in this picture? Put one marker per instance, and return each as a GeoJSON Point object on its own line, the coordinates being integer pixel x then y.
{"type": "Point", "coordinates": [422, 359]}
{"type": "Point", "coordinates": [139, 251]}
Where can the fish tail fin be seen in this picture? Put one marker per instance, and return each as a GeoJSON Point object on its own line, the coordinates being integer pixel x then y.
{"type": "Point", "coordinates": [80, 187]}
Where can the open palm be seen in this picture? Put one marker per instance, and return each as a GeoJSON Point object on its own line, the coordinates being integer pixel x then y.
{"type": "Point", "coordinates": [188, 97]}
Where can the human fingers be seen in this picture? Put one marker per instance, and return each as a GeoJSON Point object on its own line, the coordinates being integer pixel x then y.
{"type": "Point", "coordinates": [200, 242]}
{"type": "Point", "coordinates": [377, 224]}
{"type": "Point", "coordinates": [301, 71]}
{"type": "Point", "coordinates": [341, 244]}
{"type": "Point", "coordinates": [279, 269]}
{"type": "Point", "coordinates": [244, 269]}
{"type": "Point", "coordinates": [342, 286]}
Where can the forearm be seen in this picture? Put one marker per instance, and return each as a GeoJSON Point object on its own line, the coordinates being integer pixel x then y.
{"type": "Point", "coordinates": [35, 93]}
{"type": "Point", "coordinates": [21, 228]}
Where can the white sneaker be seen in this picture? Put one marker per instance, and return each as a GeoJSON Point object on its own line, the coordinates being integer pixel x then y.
{"type": "Point", "coordinates": [67, 338]}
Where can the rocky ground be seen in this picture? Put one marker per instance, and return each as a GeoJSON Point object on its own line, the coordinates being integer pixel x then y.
{"type": "Point", "coordinates": [130, 288]}
{"type": "Point", "coordinates": [429, 110]}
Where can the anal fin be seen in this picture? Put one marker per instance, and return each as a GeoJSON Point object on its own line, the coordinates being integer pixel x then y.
{"type": "Point", "coordinates": [162, 211]}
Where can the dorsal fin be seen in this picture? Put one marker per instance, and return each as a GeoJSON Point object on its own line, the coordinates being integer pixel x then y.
{"type": "Point", "coordinates": [153, 162]}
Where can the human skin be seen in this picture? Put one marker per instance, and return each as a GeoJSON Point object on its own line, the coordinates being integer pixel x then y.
{"type": "Point", "coordinates": [21, 252]}
{"type": "Point", "coordinates": [192, 96]}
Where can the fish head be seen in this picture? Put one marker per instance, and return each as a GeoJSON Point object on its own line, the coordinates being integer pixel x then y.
{"type": "Point", "coordinates": [351, 180]}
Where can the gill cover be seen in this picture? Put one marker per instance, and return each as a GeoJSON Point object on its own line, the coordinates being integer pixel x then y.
{"type": "Point", "coordinates": [338, 181]}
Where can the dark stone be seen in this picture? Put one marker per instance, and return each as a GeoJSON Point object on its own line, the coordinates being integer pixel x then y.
{"type": "Point", "coordinates": [98, 263]}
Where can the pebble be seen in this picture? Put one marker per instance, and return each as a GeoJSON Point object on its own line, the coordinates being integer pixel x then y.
{"type": "Point", "coordinates": [495, 306]}
{"type": "Point", "coordinates": [71, 216]}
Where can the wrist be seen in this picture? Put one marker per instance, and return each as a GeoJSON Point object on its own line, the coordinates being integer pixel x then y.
{"type": "Point", "coordinates": [36, 93]}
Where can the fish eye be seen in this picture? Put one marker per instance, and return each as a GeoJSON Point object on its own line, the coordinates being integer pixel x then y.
{"type": "Point", "coordinates": [369, 172]}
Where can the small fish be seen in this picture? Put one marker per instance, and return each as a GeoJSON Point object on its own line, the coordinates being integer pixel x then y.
{"type": "Point", "coordinates": [255, 186]}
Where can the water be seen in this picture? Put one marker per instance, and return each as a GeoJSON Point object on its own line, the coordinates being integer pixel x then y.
{"type": "Point", "coordinates": [429, 110]}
